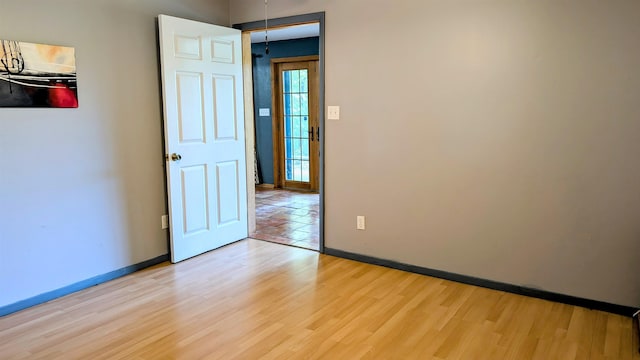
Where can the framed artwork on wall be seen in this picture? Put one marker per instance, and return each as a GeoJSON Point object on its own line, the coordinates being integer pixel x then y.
{"type": "Point", "coordinates": [37, 75]}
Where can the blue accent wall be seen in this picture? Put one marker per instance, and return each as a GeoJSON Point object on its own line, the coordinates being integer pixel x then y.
{"type": "Point", "coordinates": [262, 94]}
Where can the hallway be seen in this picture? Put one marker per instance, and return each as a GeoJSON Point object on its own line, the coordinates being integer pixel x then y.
{"type": "Point", "coordinates": [288, 217]}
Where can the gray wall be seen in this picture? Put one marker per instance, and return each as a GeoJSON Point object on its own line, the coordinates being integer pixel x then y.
{"type": "Point", "coordinates": [82, 190]}
{"type": "Point", "coordinates": [497, 139]}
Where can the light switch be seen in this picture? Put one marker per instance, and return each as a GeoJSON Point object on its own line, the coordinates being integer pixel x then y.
{"type": "Point", "coordinates": [333, 112]}
{"type": "Point", "coordinates": [264, 112]}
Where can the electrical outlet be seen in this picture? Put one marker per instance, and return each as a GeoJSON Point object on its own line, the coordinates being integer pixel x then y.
{"type": "Point", "coordinates": [360, 223]}
{"type": "Point", "coordinates": [165, 221]}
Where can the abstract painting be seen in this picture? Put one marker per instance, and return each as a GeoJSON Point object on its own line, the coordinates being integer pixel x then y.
{"type": "Point", "coordinates": [37, 75]}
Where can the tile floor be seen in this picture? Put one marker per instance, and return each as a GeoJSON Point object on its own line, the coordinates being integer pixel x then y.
{"type": "Point", "coordinates": [288, 217]}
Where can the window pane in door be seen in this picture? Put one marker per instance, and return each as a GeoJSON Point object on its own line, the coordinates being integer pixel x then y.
{"type": "Point", "coordinates": [289, 169]}
{"type": "Point", "coordinates": [297, 170]}
{"type": "Point", "coordinates": [296, 127]}
{"type": "Point", "coordinates": [295, 102]}
{"type": "Point", "coordinates": [286, 80]}
{"type": "Point", "coordinates": [304, 104]}
{"type": "Point", "coordinates": [288, 150]}
{"type": "Point", "coordinates": [286, 104]}
{"type": "Point", "coordinates": [305, 149]}
{"type": "Point", "coordinates": [295, 81]}
{"type": "Point", "coordinates": [305, 171]}
{"type": "Point", "coordinates": [297, 150]}
{"type": "Point", "coordinates": [304, 127]}
{"type": "Point", "coordinates": [287, 126]}
{"type": "Point", "coordinates": [304, 83]}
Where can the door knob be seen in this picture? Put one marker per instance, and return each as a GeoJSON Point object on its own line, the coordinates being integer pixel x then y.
{"type": "Point", "coordinates": [176, 157]}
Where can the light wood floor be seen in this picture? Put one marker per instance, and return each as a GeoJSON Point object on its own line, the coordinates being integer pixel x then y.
{"type": "Point", "coordinates": [258, 300]}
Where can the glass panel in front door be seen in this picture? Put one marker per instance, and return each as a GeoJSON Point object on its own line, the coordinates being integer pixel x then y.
{"type": "Point", "coordinates": [295, 97]}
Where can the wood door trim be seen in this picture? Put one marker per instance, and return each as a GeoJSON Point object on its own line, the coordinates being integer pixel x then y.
{"type": "Point", "coordinates": [294, 59]}
{"type": "Point", "coordinates": [275, 118]}
{"type": "Point", "coordinates": [276, 133]}
{"type": "Point", "coordinates": [249, 126]}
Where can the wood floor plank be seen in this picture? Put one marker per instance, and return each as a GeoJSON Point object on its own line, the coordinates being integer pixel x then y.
{"type": "Point", "coordinates": [259, 300]}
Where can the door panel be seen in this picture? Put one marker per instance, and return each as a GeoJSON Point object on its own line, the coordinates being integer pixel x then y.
{"type": "Point", "coordinates": [228, 192]}
{"type": "Point", "coordinates": [223, 51]}
{"type": "Point", "coordinates": [204, 141]}
{"type": "Point", "coordinates": [188, 47]}
{"type": "Point", "coordinates": [190, 116]}
{"type": "Point", "coordinates": [195, 209]}
{"type": "Point", "coordinates": [226, 121]}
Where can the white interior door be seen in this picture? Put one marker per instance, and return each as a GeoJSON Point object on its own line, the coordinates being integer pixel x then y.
{"type": "Point", "coordinates": [204, 135]}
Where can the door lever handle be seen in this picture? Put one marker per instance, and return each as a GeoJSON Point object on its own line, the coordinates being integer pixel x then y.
{"type": "Point", "coordinates": [317, 132]}
{"type": "Point", "coordinates": [311, 134]}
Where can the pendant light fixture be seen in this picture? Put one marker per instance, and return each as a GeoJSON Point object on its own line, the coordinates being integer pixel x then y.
{"type": "Point", "coordinates": [266, 27]}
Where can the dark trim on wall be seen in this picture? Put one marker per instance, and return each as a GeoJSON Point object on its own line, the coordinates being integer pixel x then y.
{"type": "Point", "coordinates": [81, 285]}
{"type": "Point", "coordinates": [318, 17]}
{"type": "Point", "coordinates": [283, 21]}
{"type": "Point", "coordinates": [490, 284]}
{"type": "Point", "coordinates": [321, 107]}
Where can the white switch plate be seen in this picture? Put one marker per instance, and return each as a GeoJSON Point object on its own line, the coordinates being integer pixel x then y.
{"type": "Point", "coordinates": [333, 112]}
{"type": "Point", "coordinates": [360, 222]}
{"type": "Point", "coordinates": [165, 221]}
{"type": "Point", "coordinates": [264, 112]}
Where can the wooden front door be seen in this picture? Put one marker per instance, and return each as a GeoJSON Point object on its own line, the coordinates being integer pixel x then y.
{"type": "Point", "coordinates": [297, 130]}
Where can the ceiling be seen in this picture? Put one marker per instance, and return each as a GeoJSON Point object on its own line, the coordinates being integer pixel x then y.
{"type": "Point", "coordinates": [287, 33]}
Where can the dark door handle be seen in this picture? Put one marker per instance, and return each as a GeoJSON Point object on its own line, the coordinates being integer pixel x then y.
{"type": "Point", "coordinates": [311, 134]}
{"type": "Point", "coordinates": [317, 132]}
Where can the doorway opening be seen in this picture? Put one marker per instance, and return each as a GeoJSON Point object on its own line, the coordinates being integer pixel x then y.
{"type": "Point", "coordinates": [288, 98]}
